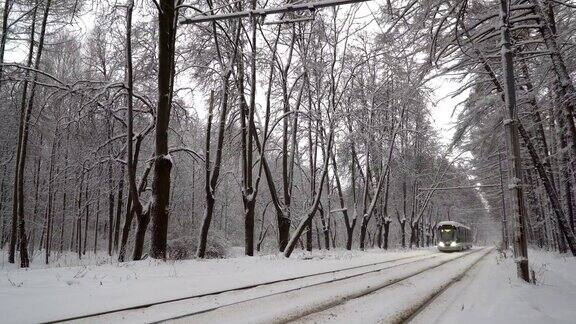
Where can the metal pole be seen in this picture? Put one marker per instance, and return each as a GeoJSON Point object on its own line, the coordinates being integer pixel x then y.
{"type": "Point", "coordinates": [503, 199]}
{"type": "Point", "coordinates": [512, 142]}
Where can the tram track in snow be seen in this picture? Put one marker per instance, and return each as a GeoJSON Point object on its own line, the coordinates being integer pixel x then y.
{"type": "Point", "coordinates": [96, 315]}
{"type": "Point", "coordinates": [404, 299]}
{"type": "Point", "coordinates": [207, 305]}
{"type": "Point", "coordinates": [435, 294]}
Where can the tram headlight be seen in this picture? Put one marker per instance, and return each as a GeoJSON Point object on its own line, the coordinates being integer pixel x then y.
{"type": "Point", "coordinates": [453, 244]}
{"type": "Point", "coordinates": [441, 244]}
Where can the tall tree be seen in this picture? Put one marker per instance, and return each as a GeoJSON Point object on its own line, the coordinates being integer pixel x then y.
{"type": "Point", "coordinates": [167, 22]}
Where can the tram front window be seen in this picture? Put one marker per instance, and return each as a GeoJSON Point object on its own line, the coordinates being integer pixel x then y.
{"type": "Point", "coordinates": [446, 234]}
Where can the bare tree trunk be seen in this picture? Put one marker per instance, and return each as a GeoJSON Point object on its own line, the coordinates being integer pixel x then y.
{"type": "Point", "coordinates": [162, 161]}
{"type": "Point", "coordinates": [74, 219]}
{"type": "Point", "coordinates": [141, 235]}
{"type": "Point", "coordinates": [14, 226]}
{"type": "Point", "coordinates": [4, 37]}
{"type": "Point", "coordinates": [211, 176]}
{"type": "Point", "coordinates": [64, 189]}
{"type": "Point", "coordinates": [143, 220]}
{"type": "Point", "coordinates": [294, 239]}
{"type": "Point", "coordinates": [86, 215]}
{"type": "Point", "coordinates": [249, 187]}
{"type": "Point", "coordinates": [282, 213]}
{"type": "Point", "coordinates": [49, 209]}
{"type": "Point", "coordinates": [36, 180]}
{"type": "Point", "coordinates": [128, 218]}
{"type": "Point", "coordinates": [350, 224]}
{"type": "Point", "coordinates": [78, 239]}
{"type": "Point", "coordinates": [367, 172]}
{"type": "Point", "coordinates": [110, 129]}
{"type": "Point", "coordinates": [134, 205]}
{"type": "Point", "coordinates": [413, 234]}
{"type": "Point", "coordinates": [325, 228]}
{"type": "Point", "coordinates": [249, 191]}
{"type": "Point", "coordinates": [313, 153]}
{"type": "Point", "coordinates": [552, 195]}
{"type": "Point", "coordinates": [119, 203]}
{"type": "Point", "coordinates": [2, 204]}
{"type": "Point", "coordinates": [97, 218]}
{"type": "Point", "coordinates": [24, 260]}
{"type": "Point", "coordinates": [402, 221]}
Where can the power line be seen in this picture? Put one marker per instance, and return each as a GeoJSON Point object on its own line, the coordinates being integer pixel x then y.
{"type": "Point", "coordinates": [461, 187]}
{"type": "Point", "coordinates": [311, 6]}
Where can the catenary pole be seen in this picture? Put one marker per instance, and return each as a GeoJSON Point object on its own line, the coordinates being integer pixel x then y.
{"type": "Point", "coordinates": [510, 123]}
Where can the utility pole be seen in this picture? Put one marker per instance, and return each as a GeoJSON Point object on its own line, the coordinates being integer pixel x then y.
{"type": "Point", "coordinates": [505, 240]}
{"type": "Point", "coordinates": [511, 129]}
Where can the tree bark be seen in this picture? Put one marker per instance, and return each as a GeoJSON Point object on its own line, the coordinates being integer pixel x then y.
{"type": "Point", "coordinates": [24, 260]}
{"type": "Point", "coordinates": [294, 239]}
{"type": "Point", "coordinates": [561, 218]}
{"type": "Point", "coordinates": [119, 208]}
{"type": "Point", "coordinates": [2, 204]}
{"type": "Point", "coordinates": [212, 175]}
{"type": "Point", "coordinates": [14, 225]}
{"type": "Point", "coordinates": [49, 211]}
{"type": "Point", "coordinates": [162, 161]}
{"type": "Point", "coordinates": [4, 37]}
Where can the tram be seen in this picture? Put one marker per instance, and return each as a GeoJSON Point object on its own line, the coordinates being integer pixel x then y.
{"type": "Point", "coordinates": [453, 236]}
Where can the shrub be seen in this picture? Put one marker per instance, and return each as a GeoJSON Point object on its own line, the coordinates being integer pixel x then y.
{"type": "Point", "coordinates": [185, 248]}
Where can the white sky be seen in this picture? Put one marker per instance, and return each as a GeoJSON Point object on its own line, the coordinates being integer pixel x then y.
{"type": "Point", "coordinates": [444, 109]}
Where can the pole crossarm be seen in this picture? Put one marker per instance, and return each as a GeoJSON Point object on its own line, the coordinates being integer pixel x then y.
{"type": "Point", "coordinates": [462, 187]}
{"type": "Point", "coordinates": [312, 6]}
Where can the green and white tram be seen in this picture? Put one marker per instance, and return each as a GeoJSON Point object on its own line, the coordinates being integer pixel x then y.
{"type": "Point", "coordinates": [453, 236]}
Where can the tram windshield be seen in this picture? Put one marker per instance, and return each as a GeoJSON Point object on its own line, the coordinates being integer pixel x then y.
{"type": "Point", "coordinates": [446, 234]}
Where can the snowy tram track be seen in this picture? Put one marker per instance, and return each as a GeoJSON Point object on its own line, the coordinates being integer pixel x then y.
{"type": "Point", "coordinates": [421, 306]}
{"type": "Point", "coordinates": [321, 302]}
{"type": "Point", "coordinates": [335, 295]}
{"type": "Point", "coordinates": [403, 299]}
{"type": "Point", "coordinates": [297, 282]}
{"type": "Point", "coordinates": [293, 299]}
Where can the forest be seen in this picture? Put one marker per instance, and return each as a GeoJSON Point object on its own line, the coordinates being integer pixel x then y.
{"type": "Point", "coordinates": [173, 129]}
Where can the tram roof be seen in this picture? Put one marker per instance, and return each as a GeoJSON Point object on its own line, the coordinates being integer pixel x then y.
{"type": "Point", "coordinates": [452, 223]}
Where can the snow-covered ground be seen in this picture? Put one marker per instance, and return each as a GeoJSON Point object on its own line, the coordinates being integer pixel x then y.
{"type": "Point", "coordinates": [489, 292]}
{"type": "Point", "coordinates": [61, 292]}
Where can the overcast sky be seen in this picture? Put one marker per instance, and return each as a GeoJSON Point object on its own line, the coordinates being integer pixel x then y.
{"type": "Point", "coordinates": [442, 109]}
